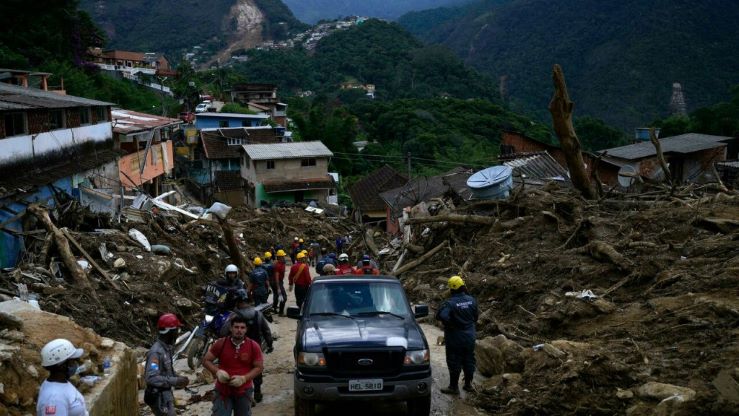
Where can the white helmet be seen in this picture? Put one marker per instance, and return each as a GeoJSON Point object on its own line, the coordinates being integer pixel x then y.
{"type": "Point", "coordinates": [343, 257]}
{"type": "Point", "coordinates": [231, 268]}
{"type": "Point", "coordinates": [58, 351]}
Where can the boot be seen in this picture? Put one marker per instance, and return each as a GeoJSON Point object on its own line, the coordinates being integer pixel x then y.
{"type": "Point", "coordinates": [258, 396]}
{"type": "Point", "coordinates": [468, 387]}
{"type": "Point", "coordinates": [450, 390]}
{"type": "Point", "coordinates": [282, 308]}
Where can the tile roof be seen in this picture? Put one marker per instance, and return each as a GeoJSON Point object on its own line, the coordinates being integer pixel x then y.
{"type": "Point", "coordinates": [287, 150]}
{"type": "Point", "coordinates": [684, 143]}
{"type": "Point", "coordinates": [13, 97]}
{"type": "Point", "coordinates": [128, 121]}
{"type": "Point", "coordinates": [215, 141]}
{"type": "Point", "coordinates": [365, 193]}
{"type": "Point", "coordinates": [414, 192]}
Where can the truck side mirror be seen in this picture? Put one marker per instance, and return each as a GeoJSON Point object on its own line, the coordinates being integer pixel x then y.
{"type": "Point", "coordinates": [421, 310]}
{"type": "Point", "coordinates": [293, 312]}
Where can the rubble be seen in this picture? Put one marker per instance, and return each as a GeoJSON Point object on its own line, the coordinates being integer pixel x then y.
{"type": "Point", "coordinates": [614, 293]}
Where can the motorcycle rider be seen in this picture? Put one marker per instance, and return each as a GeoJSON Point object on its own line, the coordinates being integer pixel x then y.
{"type": "Point", "coordinates": [217, 297]}
{"type": "Point", "coordinates": [259, 282]}
{"type": "Point", "coordinates": [257, 329]}
{"type": "Point", "coordinates": [160, 375]}
{"type": "Point", "coordinates": [277, 283]}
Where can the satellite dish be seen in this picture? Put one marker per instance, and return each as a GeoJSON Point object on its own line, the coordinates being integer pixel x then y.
{"type": "Point", "coordinates": [627, 176]}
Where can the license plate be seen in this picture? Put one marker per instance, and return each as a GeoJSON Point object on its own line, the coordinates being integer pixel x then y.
{"type": "Point", "coordinates": [373, 384]}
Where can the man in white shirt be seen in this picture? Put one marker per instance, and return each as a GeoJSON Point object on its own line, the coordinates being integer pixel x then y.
{"type": "Point", "coordinates": [57, 396]}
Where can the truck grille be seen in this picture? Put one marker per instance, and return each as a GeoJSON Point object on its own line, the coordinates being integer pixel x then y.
{"type": "Point", "coordinates": [384, 362]}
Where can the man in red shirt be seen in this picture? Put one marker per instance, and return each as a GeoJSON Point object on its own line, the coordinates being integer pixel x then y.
{"type": "Point", "coordinates": [367, 267]}
{"type": "Point", "coordinates": [239, 362]}
{"type": "Point", "coordinates": [344, 266]}
{"type": "Point", "coordinates": [299, 278]}
{"type": "Point", "coordinates": [277, 282]}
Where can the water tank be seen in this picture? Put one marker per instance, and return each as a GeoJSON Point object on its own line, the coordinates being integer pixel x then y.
{"type": "Point", "coordinates": [491, 183]}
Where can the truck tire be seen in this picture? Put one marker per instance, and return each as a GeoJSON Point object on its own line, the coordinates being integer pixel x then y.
{"type": "Point", "coordinates": [195, 353]}
{"type": "Point", "coordinates": [304, 407]}
{"type": "Point", "coordinates": [420, 406]}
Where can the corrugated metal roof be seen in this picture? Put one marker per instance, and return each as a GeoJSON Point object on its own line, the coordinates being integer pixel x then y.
{"type": "Point", "coordinates": [13, 97]}
{"type": "Point", "coordinates": [287, 150]}
{"type": "Point", "coordinates": [127, 121]}
{"type": "Point", "coordinates": [537, 166]}
{"type": "Point", "coordinates": [684, 143]}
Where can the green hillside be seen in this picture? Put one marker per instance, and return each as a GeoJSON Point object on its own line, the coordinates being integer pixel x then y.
{"type": "Point", "coordinates": [620, 58]}
{"type": "Point", "coordinates": [312, 11]}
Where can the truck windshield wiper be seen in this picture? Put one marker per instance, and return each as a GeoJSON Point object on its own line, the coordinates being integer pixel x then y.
{"type": "Point", "coordinates": [375, 313]}
{"type": "Point", "coordinates": [330, 314]}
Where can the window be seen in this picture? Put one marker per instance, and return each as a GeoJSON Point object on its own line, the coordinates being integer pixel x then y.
{"type": "Point", "coordinates": [234, 142]}
{"type": "Point", "coordinates": [56, 119]}
{"type": "Point", "coordinates": [15, 124]}
{"type": "Point", "coordinates": [246, 123]}
{"type": "Point", "coordinates": [101, 113]}
{"type": "Point", "coordinates": [308, 162]}
{"type": "Point", "coordinates": [84, 116]}
{"type": "Point", "coordinates": [222, 123]}
{"type": "Point", "coordinates": [270, 164]}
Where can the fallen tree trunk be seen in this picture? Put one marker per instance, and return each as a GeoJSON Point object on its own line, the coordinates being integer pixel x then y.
{"type": "Point", "coordinates": [62, 244]}
{"type": "Point", "coordinates": [605, 251]}
{"type": "Point", "coordinates": [660, 156]}
{"type": "Point", "coordinates": [561, 108]}
{"type": "Point", "coordinates": [89, 258]}
{"type": "Point", "coordinates": [369, 241]}
{"type": "Point", "coordinates": [454, 218]}
{"type": "Point", "coordinates": [233, 248]}
{"type": "Point", "coordinates": [421, 259]}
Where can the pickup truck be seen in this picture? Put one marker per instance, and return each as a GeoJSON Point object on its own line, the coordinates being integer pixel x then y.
{"type": "Point", "coordinates": [358, 339]}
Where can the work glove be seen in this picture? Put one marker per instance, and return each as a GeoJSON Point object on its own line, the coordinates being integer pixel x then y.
{"type": "Point", "coordinates": [290, 288]}
{"type": "Point", "coordinates": [181, 382]}
{"type": "Point", "coordinates": [223, 376]}
{"type": "Point", "coordinates": [237, 381]}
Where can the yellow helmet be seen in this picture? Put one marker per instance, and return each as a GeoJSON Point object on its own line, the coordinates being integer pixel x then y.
{"type": "Point", "coordinates": [455, 282]}
{"type": "Point", "coordinates": [257, 261]}
{"type": "Point", "coordinates": [301, 241]}
{"type": "Point", "coordinates": [281, 253]}
{"type": "Point", "coordinates": [300, 255]}
{"type": "Point", "coordinates": [267, 255]}
{"type": "Point", "coordinates": [305, 252]}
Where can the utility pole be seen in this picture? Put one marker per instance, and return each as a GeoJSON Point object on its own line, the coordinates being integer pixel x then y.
{"type": "Point", "coordinates": [409, 165]}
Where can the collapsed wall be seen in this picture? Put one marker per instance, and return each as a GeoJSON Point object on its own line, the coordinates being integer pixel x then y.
{"type": "Point", "coordinates": [24, 330]}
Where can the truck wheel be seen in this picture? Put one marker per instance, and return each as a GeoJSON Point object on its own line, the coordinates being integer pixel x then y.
{"type": "Point", "coordinates": [420, 406]}
{"type": "Point", "coordinates": [195, 353]}
{"type": "Point", "coordinates": [304, 407]}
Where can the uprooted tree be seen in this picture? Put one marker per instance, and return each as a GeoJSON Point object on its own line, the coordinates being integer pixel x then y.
{"type": "Point", "coordinates": [561, 108]}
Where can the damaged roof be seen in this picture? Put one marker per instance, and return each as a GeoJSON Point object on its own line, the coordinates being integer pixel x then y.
{"type": "Point", "coordinates": [294, 150]}
{"type": "Point", "coordinates": [215, 141]}
{"type": "Point", "coordinates": [414, 192]}
{"type": "Point", "coordinates": [13, 97]}
{"type": "Point", "coordinates": [537, 167]}
{"type": "Point", "coordinates": [128, 121]}
{"type": "Point", "coordinates": [365, 193]}
{"type": "Point", "coordinates": [684, 143]}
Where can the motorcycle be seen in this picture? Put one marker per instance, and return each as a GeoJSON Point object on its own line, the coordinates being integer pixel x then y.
{"type": "Point", "coordinates": [209, 330]}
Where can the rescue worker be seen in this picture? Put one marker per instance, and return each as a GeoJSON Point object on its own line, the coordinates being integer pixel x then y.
{"type": "Point", "coordinates": [340, 241]}
{"type": "Point", "coordinates": [57, 395]}
{"type": "Point", "coordinates": [259, 282]}
{"type": "Point", "coordinates": [277, 283]}
{"type": "Point", "coordinates": [322, 262]}
{"type": "Point", "coordinates": [217, 297]}
{"type": "Point", "coordinates": [328, 270]}
{"type": "Point", "coordinates": [239, 363]}
{"type": "Point", "coordinates": [257, 330]}
{"type": "Point", "coordinates": [313, 250]}
{"type": "Point", "coordinates": [294, 249]}
{"type": "Point", "coordinates": [367, 267]}
{"type": "Point", "coordinates": [159, 374]}
{"type": "Point", "coordinates": [344, 266]}
{"type": "Point", "coordinates": [300, 278]}
{"type": "Point", "coordinates": [459, 314]}
{"type": "Point", "coordinates": [332, 259]}
{"type": "Point", "coordinates": [267, 263]}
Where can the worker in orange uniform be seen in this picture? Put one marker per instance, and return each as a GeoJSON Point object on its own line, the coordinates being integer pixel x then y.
{"type": "Point", "coordinates": [299, 278]}
{"type": "Point", "coordinates": [277, 282]}
{"type": "Point", "coordinates": [344, 266]}
{"type": "Point", "coordinates": [367, 267]}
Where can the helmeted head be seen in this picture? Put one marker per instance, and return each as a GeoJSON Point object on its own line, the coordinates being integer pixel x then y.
{"type": "Point", "coordinates": [323, 251]}
{"type": "Point", "coordinates": [257, 261]}
{"type": "Point", "coordinates": [300, 256]}
{"type": "Point", "coordinates": [60, 357]}
{"type": "Point", "coordinates": [268, 255]}
{"type": "Point", "coordinates": [365, 259]}
{"type": "Point", "coordinates": [455, 282]}
{"type": "Point", "coordinates": [296, 239]}
{"type": "Point", "coordinates": [301, 241]}
{"type": "Point", "coordinates": [231, 272]}
{"type": "Point", "coordinates": [168, 322]}
{"type": "Point", "coordinates": [280, 253]}
{"type": "Point", "coordinates": [343, 258]}
{"type": "Point", "coordinates": [332, 255]}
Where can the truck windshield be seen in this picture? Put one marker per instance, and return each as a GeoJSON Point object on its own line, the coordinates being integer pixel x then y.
{"type": "Point", "coordinates": [358, 298]}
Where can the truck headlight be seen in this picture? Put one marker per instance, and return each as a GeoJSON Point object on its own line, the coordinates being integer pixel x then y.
{"type": "Point", "coordinates": [311, 359]}
{"type": "Point", "coordinates": [418, 357]}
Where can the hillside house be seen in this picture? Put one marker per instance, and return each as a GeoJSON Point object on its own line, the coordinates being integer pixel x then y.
{"type": "Point", "coordinates": [261, 98]}
{"type": "Point", "coordinates": [368, 206]}
{"type": "Point", "coordinates": [52, 148]}
{"type": "Point", "coordinates": [131, 63]}
{"type": "Point", "coordinates": [289, 172]}
{"type": "Point", "coordinates": [146, 143]}
{"type": "Point", "coordinates": [228, 120]}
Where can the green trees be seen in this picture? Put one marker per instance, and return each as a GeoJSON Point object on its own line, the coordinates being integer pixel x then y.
{"type": "Point", "coordinates": [721, 119]}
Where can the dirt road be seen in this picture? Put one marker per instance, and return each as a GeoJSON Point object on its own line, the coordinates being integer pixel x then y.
{"type": "Point", "coordinates": [278, 382]}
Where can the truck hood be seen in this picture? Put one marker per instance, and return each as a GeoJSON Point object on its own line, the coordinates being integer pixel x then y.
{"type": "Point", "coordinates": [338, 332]}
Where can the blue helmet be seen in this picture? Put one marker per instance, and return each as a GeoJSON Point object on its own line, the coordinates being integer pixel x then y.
{"type": "Point", "coordinates": [332, 255]}
{"type": "Point", "coordinates": [366, 259]}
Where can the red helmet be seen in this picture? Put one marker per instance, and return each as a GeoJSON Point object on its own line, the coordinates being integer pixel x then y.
{"type": "Point", "coordinates": [168, 321]}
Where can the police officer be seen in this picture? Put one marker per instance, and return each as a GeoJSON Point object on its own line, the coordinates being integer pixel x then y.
{"type": "Point", "coordinates": [160, 375]}
{"type": "Point", "coordinates": [459, 315]}
{"type": "Point", "coordinates": [259, 282]}
{"type": "Point", "coordinates": [257, 329]}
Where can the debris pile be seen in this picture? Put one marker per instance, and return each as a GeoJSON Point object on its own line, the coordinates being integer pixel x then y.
{"type": "Point", "coordinates": [627, 304]}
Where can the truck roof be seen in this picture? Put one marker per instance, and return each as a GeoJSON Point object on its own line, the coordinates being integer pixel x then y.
{"type": "Point", "coordinates": [363, 278]}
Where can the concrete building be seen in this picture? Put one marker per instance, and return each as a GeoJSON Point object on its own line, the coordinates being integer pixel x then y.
{"type": "Point", "coordinates": [228, 120]}
{"type": "Point", "coordinates": [289, 172]}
